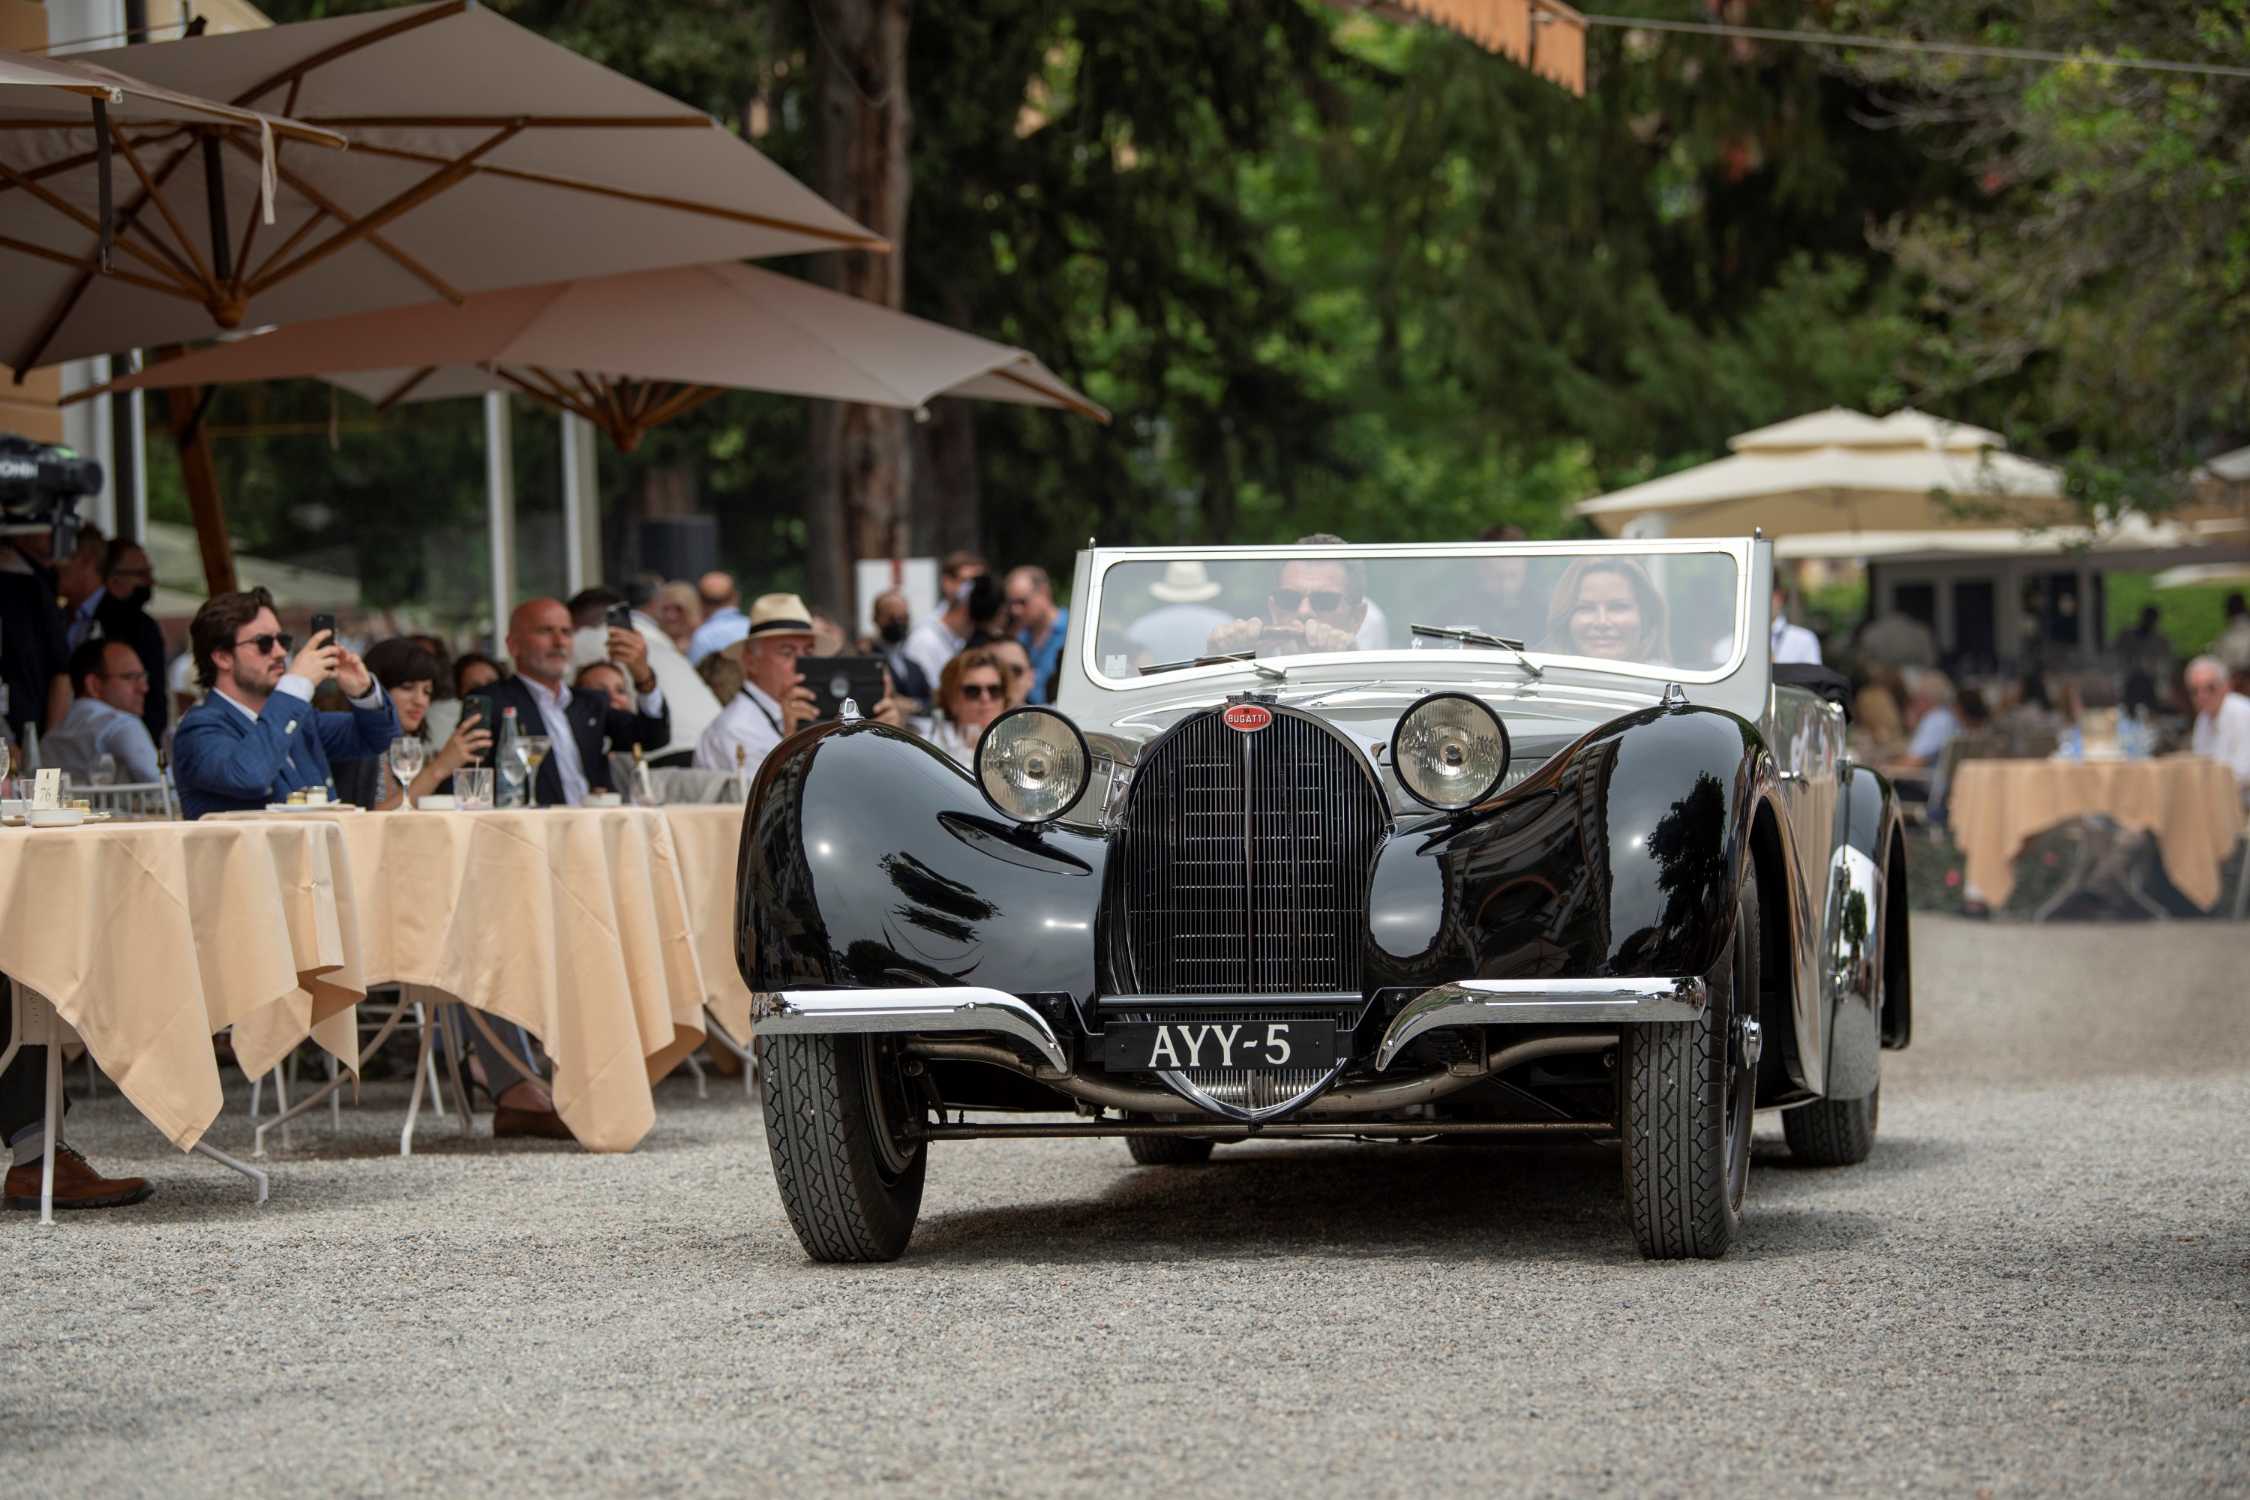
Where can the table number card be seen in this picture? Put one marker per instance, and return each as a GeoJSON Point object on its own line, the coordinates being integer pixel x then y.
{"type": "Point", "coordinates": [46, 792]}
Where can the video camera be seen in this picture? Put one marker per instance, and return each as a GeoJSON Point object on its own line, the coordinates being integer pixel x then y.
{"type": "Point", "coordinates": [40, 487]}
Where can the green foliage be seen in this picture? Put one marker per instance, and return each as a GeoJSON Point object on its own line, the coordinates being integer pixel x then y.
{"type": "Point", "coordinates": [1334, 273]}
{"type": "Point", "coordinates": [2094, 303]}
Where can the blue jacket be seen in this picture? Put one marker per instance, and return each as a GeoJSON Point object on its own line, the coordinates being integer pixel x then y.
{"type": "Point", "coordinates": [223, 761]}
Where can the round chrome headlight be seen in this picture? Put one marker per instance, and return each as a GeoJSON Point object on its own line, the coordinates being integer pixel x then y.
{"type": "Point", "coordinates": [1450, 751]}
{"type": "Point", "coordinates": [1032, 764]}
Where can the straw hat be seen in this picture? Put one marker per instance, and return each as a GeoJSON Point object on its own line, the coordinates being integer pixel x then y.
{"type": "Point", "coordinates": [1184, 583]}
{"type": "Point", "coordinates": [779, 614]}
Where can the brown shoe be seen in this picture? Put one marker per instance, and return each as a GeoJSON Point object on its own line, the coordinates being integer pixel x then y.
{"type": "Point", "coordinates": [507, 1120]}
{"type": "Point", "coordinates": [77, 1185]}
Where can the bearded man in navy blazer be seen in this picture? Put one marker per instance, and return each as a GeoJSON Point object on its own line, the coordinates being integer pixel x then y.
{"type": "Point", "coordinates": [256, 737]}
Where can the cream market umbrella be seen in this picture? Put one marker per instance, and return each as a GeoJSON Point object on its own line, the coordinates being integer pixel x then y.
{"type": "Point", "coordinates": [483, 156]}
{"type": "Point", "coordinates": [1841, 471]}
{"type": "Point", "coordinates": [64, 124]}
{"type": "Point", "coordinates": [630, 352]}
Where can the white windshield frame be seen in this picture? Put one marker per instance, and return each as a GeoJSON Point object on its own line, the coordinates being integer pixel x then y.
{"type": "Point", "coordinates": [1086, 614]}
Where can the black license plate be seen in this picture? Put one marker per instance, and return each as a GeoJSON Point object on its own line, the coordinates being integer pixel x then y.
{"type": "Point", "coordinates": [1165, 1046]}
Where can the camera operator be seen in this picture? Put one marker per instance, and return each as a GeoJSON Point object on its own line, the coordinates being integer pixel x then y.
{"type": "Point", "coordinates": [34, 651]}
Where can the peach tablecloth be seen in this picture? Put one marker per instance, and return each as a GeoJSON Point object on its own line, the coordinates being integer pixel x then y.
{"type": "Point", "coordinates": [571, 922]}
{"type": "Point", "coordinates": [2189, 803]}
{"type": "Point", "coordinates": [709, 837]}
{"type": "Point", "coordinates": [151, 937]}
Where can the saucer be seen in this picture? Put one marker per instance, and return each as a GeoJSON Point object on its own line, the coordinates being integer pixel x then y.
{"type": "Point", "coordinates": [604, 799]}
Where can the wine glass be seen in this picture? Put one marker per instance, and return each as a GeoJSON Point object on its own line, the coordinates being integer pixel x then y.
{"type": "Point", "coordinates": [533, 748]}
{"type": "Point", "coordinates": [408, 754]}
{"type": "Point", "coordinates": [513, 771]}
{"type": "Point", "coordinates": [6, 750]}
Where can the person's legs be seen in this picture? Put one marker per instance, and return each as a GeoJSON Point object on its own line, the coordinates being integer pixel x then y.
{"type": "Point", "coordinates": [23, 1119]}
{"type": "Point", "coordinates": [521, 1103]}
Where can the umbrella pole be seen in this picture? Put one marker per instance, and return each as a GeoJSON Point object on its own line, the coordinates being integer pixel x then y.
{"type": "Point", "coordinates": [200, 472]}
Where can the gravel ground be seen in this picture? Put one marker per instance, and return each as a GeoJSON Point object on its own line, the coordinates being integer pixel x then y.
{"type": "Point", "coordinates": [2041, 1282]}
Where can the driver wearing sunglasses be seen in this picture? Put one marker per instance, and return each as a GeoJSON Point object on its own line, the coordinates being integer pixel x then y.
{"type": "Point", "coordinates": [256, 737]}
{"type": "Point", "coordinates": [1316, 604]}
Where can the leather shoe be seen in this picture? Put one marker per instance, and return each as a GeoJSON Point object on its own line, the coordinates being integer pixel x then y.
{"type": "Point", "coordinates": [507, 1120]}
{"type": "Point", "coordinates": [77, 1184]}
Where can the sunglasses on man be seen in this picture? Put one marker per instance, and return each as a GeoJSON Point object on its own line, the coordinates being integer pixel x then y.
{"type": "Point", "coordinates": [1324, 601]}
{"type": "Point", "coordinates": [974, 691]}
{"type": "Point", "coordinates": [265, 643]}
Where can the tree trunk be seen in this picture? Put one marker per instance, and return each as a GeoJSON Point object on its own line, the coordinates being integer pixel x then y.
{"type": "Point", "coordinates": [946, 513]}
{"type": "Point", "coordinates": [863, 456]}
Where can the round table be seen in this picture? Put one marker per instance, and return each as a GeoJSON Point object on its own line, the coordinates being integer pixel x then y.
{"type": "Point", "coordinates": [2191, 805]}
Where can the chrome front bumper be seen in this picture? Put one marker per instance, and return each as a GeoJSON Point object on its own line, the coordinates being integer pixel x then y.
{"type": "Point", "coordinates": [1469, 1002]}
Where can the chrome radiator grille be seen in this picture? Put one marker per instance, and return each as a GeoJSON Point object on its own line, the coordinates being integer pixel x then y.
{"type": "Point", "coordinates": [1241, 865]}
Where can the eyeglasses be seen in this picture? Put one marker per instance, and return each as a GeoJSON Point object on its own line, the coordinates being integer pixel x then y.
{"type": "Point", "coordinates": [264, 643]}
{"type": "Point", "coordinates": [1324, 601]}
{"type": "Point", "coordinates": [976, 690]}
{"type": "Point", "coordinates": [1016, 669]}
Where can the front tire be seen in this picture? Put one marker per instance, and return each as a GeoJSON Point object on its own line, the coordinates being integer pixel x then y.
{"type": "Point", "coordinates": [1832, 1132]}
{"type": "Point", "coordinates": [1689, 1091]}
{"type": "Point", "coordinates": [836, 1112]}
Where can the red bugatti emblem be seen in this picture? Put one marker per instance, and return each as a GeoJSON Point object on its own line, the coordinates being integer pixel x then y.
{"type": "Point", "coordinates": [1248, 717]}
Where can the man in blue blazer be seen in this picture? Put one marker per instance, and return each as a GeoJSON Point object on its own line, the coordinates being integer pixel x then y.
{"type": "Point", "coordinates": [256, 737]}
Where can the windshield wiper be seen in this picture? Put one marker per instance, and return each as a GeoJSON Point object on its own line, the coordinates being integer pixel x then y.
{"type": "Point", "coordinates": [1246, 658]}
{"type": "Point", "coordinates": [1470, 637]}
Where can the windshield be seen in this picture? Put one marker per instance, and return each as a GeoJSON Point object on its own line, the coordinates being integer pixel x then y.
{"type": "Point", "coordinates": [1609, 606]}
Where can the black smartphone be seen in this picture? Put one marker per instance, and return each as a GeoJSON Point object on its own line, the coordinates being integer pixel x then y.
{"type": "Point", "coordinates": [835, 678]}
{"type": "Point", "coordinates": [620, 617]}
{"type": "Point", "coordinates": [479, 704]}
{"type": "Point", "coordinates": [324, 622]}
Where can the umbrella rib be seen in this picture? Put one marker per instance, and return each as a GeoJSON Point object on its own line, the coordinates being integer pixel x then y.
{"type": "Point", "coordinates": [551, 393]}
{"type": "Point", "coordinates": [655, 200]}
{"type": "Point", "coordinates": [401, 392]}
{"type": "Point", "coordinates": [404, 202]}
{"type": "Point", "coordinates": [1067, 398]}
{"type": "Point", "coordinates": [85, 221]}
{"type": "Point", "coordinates": [297, 70]}
{"type": "Point", "coordinates": [686, 399]}
{"type": "Point", "coordinates": [65, 258]}
{"type": "Point", "coordinates": [329, 207]}
{"type": "Point", "coordinates": [201, 272]}
{"type": "Point", "coordinates": [494, 122]}
{"type": "Point", "coordinates": [125, 219]}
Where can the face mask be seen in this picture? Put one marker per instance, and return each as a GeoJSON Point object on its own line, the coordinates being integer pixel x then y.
{"type": "Point", "coordinates": [893, 631]}
{"type": "Point", "coordinates": [138, 598]}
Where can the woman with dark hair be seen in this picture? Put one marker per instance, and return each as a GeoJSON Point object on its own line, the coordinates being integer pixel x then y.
{"type": "Point", "coordinates": [1609, 608]}
{"type": "Point", "coordinates": [409, 674]}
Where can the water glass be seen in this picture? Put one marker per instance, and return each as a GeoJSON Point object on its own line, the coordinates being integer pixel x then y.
{"type": "Point", "coordinates": [472, 789]}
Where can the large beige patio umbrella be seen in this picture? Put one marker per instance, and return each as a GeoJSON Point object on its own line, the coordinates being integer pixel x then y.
{"type": "Point", "coordinates": [633, 351]}
{"type": "Point", "coordinates": [63, 123]}
{"type": "Point", "coordinates": [483, 156]}
{"type": "Point", "coordinates": [1842, 471]}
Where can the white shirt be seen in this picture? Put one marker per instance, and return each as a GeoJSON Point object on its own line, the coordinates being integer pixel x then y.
{"type": "Point", "coordinates": [724, 629]}
{"type": "Point", "coordinates": [930, 645]}
{"type": "Point", "coordinates": [1793, 643]}
{"type": "Point", "coordinates": [562, 743]}
{"type": "Point", "coordinates": [94, 729]}
{"type": "Point", "coordinates": [751, 724]}
{"type": "Point", "coordinates": [2225, 736]}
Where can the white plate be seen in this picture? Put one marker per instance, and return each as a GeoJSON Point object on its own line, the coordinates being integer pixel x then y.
{"type": "Point", "coordinates": [434, 803]}
{"type": "Point", "coordinates": [604, 799]}
{"type": "Point", "coordinates": [312, 807]}
{"type": "Point", "coordinates": [57, 817]}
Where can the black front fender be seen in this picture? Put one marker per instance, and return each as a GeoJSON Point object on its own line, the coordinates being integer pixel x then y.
{"type": "Point", "coordinates": [869, 859]}
{"type": "Point", "coordinates": [1617, 859]}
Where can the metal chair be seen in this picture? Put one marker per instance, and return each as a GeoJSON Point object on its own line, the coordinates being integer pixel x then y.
{"type": "Point", "coordinates": [133, 799]}
{"type": "Point", "coordinates": [36, 1023]}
